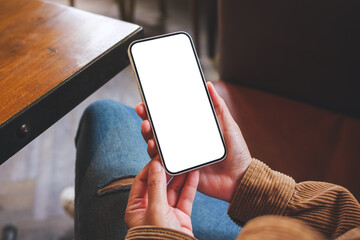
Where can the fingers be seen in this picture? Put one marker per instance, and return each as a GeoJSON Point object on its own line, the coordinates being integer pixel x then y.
{"type": "Point", "coordinates": [141, 111]}
{"type": "Point", "coordinates": [222, 111]}
{"type": "Point", "coordinates": [214, 95]}
{"type": "Point", "coordinates": [174, 189]}
{"type": "Point", "coordinates": [145, 125]}
{"type": "Point", "coordinates": [146, 130]}
{"type": "Point", "coordinates": [139, 186]}
{"type": "Point", "coordinates": [149, 138]}
{"type": "Point", "coordinates": [152, 149]}
{"type": "Point", "coordinates": [157, 197]}
{"type": "Point", "coordinates": [188, 193]}
{"type": "Point", "coordinates": [218, 102]}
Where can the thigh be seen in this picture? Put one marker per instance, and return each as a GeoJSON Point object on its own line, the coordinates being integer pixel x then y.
{"type": "Point", "coordinates": [210, 220]}
{"type": "Point", "coordinates": [109, 147]}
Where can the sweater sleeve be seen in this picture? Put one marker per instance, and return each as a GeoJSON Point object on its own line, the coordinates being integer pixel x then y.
{"type": "Point", "coordinates": [153, 232]}
{"type": "Point", "coordinates": [329, 208]}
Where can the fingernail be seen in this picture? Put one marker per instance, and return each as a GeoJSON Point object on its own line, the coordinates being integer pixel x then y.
{"type": "Point", "coordinates": [155, 167]}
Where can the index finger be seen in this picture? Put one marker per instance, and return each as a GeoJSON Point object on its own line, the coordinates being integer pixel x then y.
{"type": "Point", "coordinates": [139, 186]}
{"type": "Point", "coordinates": [188, 193]}
{"type": "Point", "coordinates": [141, 111]}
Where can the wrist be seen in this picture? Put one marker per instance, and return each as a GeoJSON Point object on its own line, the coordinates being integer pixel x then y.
{"type": "Point", "coordinates": [236, 180]}
{"type": "Point", "coordinates": [232, 188]}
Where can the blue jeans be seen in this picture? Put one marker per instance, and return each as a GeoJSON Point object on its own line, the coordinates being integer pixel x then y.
{"type": "Point", "coordinates": [110, 147]}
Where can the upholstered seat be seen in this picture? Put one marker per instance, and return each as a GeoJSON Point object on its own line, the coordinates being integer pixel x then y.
{"type": "Point", "coordinates": [303, 141]}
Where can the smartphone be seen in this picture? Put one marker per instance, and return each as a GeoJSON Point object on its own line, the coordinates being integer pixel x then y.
{"type": "Point", "coordinates": [177, 101]}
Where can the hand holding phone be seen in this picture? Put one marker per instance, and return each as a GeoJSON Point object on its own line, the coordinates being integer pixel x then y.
{"type": "Point", "coordinates": [174, 92]}
{"type": "Point", "coordinates": [217, 180]}
{"type": "Point", "coordinates": [221, 179]}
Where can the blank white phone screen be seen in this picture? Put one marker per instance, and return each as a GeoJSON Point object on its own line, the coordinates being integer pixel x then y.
{"type": "Point", "coordinates": [182, 118]}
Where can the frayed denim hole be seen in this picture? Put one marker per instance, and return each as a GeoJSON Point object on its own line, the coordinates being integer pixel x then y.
{"type": "Point", "coordinates": [111, 189]}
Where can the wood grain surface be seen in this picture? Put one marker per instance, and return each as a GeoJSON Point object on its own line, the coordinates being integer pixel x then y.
{"type": "Point", "coordinates": [43, 44]}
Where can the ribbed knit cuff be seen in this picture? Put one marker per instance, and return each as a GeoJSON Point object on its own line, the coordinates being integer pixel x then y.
{"type": "Point", "coordinates": [261, 191]}
{"type": "Point", "coordinates": [152, 232]}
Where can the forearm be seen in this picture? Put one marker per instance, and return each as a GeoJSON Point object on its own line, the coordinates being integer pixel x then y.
{"type": "Point", "coordinates": [263, 191]}
{"type": "Point", "coordinates": [330, 208]}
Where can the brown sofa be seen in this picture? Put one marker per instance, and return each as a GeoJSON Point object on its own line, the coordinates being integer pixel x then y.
{"type": "Point", "coordinates": [290, 74]}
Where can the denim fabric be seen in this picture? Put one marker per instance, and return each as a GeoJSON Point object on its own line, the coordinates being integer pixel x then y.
{"type": "Point", "coordinates": [109, 147]}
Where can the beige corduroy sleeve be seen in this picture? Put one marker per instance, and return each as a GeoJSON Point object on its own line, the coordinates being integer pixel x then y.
{"type": "Point", "coordinates": [153, 232]}
{"type": "Point", "coordinates": [328, 208]}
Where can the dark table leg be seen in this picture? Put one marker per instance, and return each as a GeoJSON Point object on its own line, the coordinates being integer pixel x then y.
{"type": "Point", "coordinates": [212, 26]}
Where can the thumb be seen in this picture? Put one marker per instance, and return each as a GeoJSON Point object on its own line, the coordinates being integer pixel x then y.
{"type": "Point", "coordinates": [156, 186]}
{"type": "Point", "coordinates": [226, 120]}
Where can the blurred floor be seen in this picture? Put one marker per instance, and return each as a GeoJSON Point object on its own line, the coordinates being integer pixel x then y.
{"type": "Point", "coordinates": [31, 181]}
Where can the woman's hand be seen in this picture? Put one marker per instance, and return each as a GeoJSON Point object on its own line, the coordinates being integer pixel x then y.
{"type": "Point", "coordinates": [221, 179]}
{"type": "Point", "coordinates": [152, 202]}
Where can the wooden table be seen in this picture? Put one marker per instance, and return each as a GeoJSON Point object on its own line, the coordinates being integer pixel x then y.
{"type": "Point", "coordinates": [51, 58]}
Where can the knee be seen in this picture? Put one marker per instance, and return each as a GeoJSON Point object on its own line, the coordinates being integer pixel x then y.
{"type": "Point", "coordinates": [98, 119]}
{"type": "Point", "coordinates": [102, 108]}
{"type": "Point", "coordinates": [106, 111]}
{"type": "Point", "coordinates": [101, 115]}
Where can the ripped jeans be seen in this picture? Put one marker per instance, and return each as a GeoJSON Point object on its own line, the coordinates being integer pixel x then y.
{"type": "Point", "coordinates": [110, 147]}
